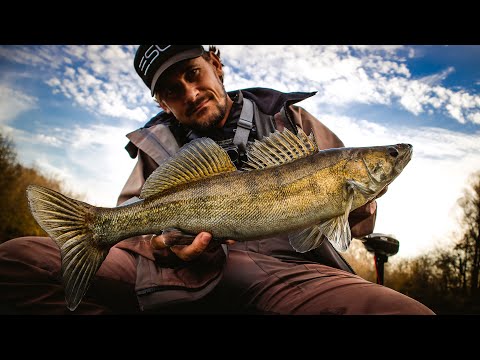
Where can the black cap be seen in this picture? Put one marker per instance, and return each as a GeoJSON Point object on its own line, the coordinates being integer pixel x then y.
{"type": "Point", "coordinates": [152, 60]}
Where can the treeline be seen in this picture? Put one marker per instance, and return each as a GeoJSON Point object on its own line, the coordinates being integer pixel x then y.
{"type": "Point", "coordinates": [446, 280]}
{"type": "Point", "coordinates": [16, 219]}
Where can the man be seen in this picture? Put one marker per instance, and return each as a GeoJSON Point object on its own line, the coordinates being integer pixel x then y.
{"type": "Point", "coordinates": [144, 274]}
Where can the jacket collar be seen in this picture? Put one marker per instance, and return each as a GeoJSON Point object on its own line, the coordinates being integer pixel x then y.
{"type": "Point", "coordinates": [271, 101]}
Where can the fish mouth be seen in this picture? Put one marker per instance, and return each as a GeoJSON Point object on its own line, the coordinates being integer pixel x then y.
{"type": "Point", "coordinates": [404, 156]}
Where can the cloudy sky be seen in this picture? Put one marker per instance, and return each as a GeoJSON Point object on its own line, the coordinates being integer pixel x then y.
{"type": "Point", "coordinates": [68, 109]}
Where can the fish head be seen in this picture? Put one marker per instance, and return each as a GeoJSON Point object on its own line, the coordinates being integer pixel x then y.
{"type": "Point", "coordinates": [370, 169]}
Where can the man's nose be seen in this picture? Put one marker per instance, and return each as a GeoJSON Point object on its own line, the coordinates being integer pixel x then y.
{"type": "Point", "coordinates": [191, 92]}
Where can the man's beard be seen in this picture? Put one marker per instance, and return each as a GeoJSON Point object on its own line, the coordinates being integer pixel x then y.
{"type": "Point", "coordinates": [214, 119]}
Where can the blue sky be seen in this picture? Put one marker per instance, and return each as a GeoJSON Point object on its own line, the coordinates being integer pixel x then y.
{"type": "Point", "coordinates": [68, 109]}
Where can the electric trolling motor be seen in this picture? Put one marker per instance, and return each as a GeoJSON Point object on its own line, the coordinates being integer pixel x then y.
{"type": "Point", "coordinates": [382, 246]}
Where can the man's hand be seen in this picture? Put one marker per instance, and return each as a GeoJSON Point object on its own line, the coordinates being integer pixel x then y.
{"type": "Point", "coordinates": [187, 252]}
{"type": "Point", "coordinates": [362, 219]}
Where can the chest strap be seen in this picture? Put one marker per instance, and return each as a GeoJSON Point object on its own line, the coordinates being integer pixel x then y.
{"type": "Point", "coordinates": [245, 124]}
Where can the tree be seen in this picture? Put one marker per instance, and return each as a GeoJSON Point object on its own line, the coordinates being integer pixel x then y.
{"type": "Point", "coordinates": [468, 248]}
{"type": "Point", "coordinates": [10, 172]}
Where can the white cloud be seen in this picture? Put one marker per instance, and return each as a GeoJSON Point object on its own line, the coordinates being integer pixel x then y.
{"type": "Point", "coordinates": [13, 103]}
{"type": "Point", "coordinates": [99, 164]}
{"type": "Point", "coordinates": [38, 56]}
{"type": "Point", "coordinates": [391, 50]}
{"type": "Point", "coordinates": [48, 140]}
{"type": "Point", "coordinates": [101, 78]}
{"type": "Point", "coordinates": [437, 78]}
{"type": "Point", "coordinates": [94, 164]}
{"type": "Point", "coordinates": [474, 117]}
{"type": "Point", "coordinates": [43, 162]}
{"type": "Point", "coordinates": [347, 75]}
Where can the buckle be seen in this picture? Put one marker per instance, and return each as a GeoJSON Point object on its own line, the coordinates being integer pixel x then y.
{"type": "Point", "coordinates": [245, 124]}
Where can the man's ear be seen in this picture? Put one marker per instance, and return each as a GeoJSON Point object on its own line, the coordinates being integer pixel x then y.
{"type": "Point", "coordinates": [217, 64]}
{"type": "Point", "coordinates": [163, 105]}
{"type": "Point", "coordinates": [165, 108]}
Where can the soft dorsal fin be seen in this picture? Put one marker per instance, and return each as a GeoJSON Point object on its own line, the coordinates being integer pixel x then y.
{"type": "Point", "coordinates": [199, 159]}
{"type": "Point", "coordinates": [280, 148]}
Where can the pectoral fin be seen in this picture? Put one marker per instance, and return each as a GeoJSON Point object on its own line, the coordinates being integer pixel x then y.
{"type": "Point", "coordinates": [336, 230]}
{"type": "Point", "coordinates": [307, 239]}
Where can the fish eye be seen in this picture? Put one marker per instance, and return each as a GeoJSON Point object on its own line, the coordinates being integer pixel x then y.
{"type": "Point", "coordinates": [393, 151]}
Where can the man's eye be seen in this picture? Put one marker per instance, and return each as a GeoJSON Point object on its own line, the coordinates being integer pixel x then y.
{"type": "Point", "coordinates": [192, 73]}
{"type": "Point", "coordinates": [169, 92]}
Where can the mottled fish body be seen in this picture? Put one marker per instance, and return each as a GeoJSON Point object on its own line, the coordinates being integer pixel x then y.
{"type": "Point", "coordinates": [290, 188]}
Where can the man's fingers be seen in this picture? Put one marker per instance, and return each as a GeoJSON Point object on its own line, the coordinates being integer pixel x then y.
{"type": "Point", "coordinates": [190, 252]}
{"type": "Point", "coordinates": [158, 242]}
{"type": "Point", "coordinates": [185, 252]}
{"type": "Point", "coordinates": [365, 210]}
{"type": "Point", "coordinates": [171, 237]}
{"type": "Point", "coordinates": [371, 207]}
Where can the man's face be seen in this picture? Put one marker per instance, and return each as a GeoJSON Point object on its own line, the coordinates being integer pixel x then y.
{"type": "Point", "coordinates": [193, 92]}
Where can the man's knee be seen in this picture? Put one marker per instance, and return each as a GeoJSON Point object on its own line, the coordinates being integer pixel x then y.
{"type": "Point", "coordinates": [394, 302]}
{"type": "Point", "coordinates": [22, 255]}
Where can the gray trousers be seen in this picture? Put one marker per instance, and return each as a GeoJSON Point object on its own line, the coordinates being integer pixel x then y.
{"type": "Point", "coordinates": [30, 283]}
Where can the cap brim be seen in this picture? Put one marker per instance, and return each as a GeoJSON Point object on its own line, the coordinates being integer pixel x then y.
{"type": "Point", "coordinates": [184, 55]}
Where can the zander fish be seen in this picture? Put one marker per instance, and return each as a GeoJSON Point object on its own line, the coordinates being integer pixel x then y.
{"type": "Point", "coordinates": [289, 187]}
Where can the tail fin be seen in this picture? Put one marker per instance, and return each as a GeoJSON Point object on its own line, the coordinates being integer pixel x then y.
{"type": "Point", "coordinates": [65, 220]}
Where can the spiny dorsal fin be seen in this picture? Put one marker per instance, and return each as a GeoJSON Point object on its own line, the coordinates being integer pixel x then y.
{"type": "Point", "coordinates": [200, 158]}
{"type": "Point", "coordinates": [280, 148]}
